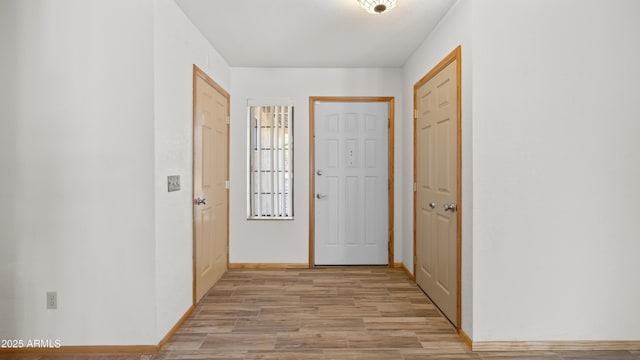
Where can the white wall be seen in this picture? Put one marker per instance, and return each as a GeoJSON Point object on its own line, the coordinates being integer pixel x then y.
{"type": "Point", "coordinates": [77, 210]}
{"type": "Point", "coordinates": [453, 30]}
{"type": "Point", "coordinates": [177, 46]}
{"type": "Point", "coordinates": [260, 241]}
{"type": "Point", "coordinates": [556, 116]}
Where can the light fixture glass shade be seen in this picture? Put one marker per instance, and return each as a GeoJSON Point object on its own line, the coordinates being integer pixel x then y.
{"type": "Point", "coordinates": [377, 6]}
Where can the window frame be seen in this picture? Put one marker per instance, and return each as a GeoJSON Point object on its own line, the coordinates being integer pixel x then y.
{"type": "Point", "coordinates": [282, 186]}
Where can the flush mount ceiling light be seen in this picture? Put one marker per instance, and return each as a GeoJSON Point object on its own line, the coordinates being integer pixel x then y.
{"type": "Point", "coordinates": [377, 6]}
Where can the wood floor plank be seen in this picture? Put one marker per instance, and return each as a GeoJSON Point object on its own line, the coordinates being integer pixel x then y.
{"type": "Point", "coordinates": [201, 354]}
{"type": "Point", "coordinates": [258, 300]}
{"type": "Point", "coordinates": [227, 314]}
{"type": "Point", "coordinates": [327, 300]}
{"type": "Point", "coordinates": [427, 354]}
{"type": "Point", "coordinates": [407, 311]}
{"type": "Point", "coordinates": [445, 347]}
{"type": "Point", "coordinates": [312, 340]}
{"type": "Point", "coordinates": [266, 326]}
{"type": "Point", "coordinates": [208, 326]}
{"type": "Point", "coordinates": [288, 312]}
{"type": "Point", "coordinates": [372, 340]}
{"type": "Point", "coordinates": [591, 355]}
{"type": "Point", "coordinates": [333, 324]}
{"type": "Point", "coordinates": [417, 324]}
{"type": "Point", "coordinates": [184, 341]}
{"type": "Point", "coordinates": [316, 354]}
{"type": "Point", "coordinates": [358, 354]}
{"type": "Point", "coordinates": [241, 342]}
{"type": "Point", "coordinates": [345, 310]}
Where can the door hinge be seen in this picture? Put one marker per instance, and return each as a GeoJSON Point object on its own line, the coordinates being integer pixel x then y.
{"type": "Point", "coordinates": [228, 119]}
{"type": "Point", "coordinates": [388, 123]}
{"type": "Point", "coordinates": [227, 184]}
{"type": "Point", "coordinates": [415, 259]}
{"type": "Point", "coordinates": [415, 187]}
{"type": "Point", "coordinates": [415, 113]}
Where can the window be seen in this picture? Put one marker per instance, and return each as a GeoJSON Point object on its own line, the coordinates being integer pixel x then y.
{"type": "Point", "coordinates": [270, 162]}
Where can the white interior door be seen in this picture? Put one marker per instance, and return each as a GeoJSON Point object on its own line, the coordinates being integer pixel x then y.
{"type": "Point", "coordinates": [436, 198]}
{"type": "Point", "coordinates": [351, 183]}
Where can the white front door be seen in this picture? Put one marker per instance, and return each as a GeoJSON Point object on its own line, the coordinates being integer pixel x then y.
{"type": "Point", "coordinates": [351, 183]}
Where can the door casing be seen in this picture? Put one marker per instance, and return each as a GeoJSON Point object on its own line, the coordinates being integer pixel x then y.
{"type": "Point", "coordinates": [312, 99]}
{"type": "Point", "coordinates": [198, 73]}
{"type": "Point", "coordinates": [455, 55]}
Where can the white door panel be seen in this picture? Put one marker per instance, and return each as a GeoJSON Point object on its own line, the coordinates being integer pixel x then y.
{"type": "Point", "coordinates": [351, 183]}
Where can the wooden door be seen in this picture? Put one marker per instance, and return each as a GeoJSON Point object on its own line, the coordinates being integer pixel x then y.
{"type": "Point", "coordinates": [437, 189]}
{"type": "Point", "coordinates": [210, 173]}
{"type": "Point", "coordinates": [351, 183]}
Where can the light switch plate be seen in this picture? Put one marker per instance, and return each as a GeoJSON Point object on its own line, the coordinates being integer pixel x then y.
{"type": "Point", "coordinates": [173, 182]}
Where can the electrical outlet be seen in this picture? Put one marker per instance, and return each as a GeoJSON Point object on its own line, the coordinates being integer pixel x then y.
{"type": "Point", "coordinates": [173, 182]}
{"type": "Point", "coordinates": [52, 300]}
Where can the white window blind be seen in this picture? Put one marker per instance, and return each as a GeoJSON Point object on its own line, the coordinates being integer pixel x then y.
{"type": "Point", "coordinates": [270, 162]}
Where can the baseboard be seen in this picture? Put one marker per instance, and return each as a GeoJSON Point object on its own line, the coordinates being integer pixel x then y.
{"type": "Point", "coordinates": [175, 328]}
{"type": "Point", "coordinates": [103, 349]}
{"type": "Point", "coordinates": [397, 265]}
{"type": "Point", "coordinates": [554, 345]}
{"type": "Point", "coordinates": [466, 339]}
{"type": "Point", "coordinates": [268, 265]}
{"type": "Point", "coordinates": [406, 271]}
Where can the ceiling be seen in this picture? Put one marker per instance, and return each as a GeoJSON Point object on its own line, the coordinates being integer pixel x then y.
{"type": "Point", "coordinates": [313, 33]}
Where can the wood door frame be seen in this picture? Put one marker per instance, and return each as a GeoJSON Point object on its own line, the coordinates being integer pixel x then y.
{"type": "Point", "coordinates": [455, 55]}
{"type": "Point", "coordinates": [199, 73]}
{"type": "Point", "coordinates": [390, 100]}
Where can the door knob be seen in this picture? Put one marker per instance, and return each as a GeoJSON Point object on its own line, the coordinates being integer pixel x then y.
{"type": "Point", "coordinates": [201, 201]}
{"type": "Point", "coordinates": [432, 205]}
{"type": "Point", "coordinates": [319, 172]}
{"type": "Point", "coordinates": [450, 207]}
{"type": "Point", "coordinates": [321, 196]}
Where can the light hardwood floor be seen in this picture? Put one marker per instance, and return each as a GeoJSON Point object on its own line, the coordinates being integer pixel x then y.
{"type": "Point", "coordinates": [330, 313]}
